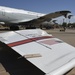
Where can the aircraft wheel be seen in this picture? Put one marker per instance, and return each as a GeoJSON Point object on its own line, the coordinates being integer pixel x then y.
{"type": "Point", "coordinates": [14, 28]}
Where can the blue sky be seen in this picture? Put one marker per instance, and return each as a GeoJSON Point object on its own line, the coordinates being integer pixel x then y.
{"type": "Point", "coordinates": [42, 6]}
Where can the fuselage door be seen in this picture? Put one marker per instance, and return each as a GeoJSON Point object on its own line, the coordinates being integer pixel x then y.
{"type": "Point", "coordinates": [3, 12]}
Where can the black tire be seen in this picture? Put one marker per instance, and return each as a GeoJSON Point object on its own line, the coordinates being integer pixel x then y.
{"type": "Point", "coordinates": [14, 27]}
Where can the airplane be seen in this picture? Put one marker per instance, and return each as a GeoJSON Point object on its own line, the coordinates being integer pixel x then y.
{"type": "Point", "coordinates": [49, 54]}
{"type": "Point", "coordinates": [14, 17]}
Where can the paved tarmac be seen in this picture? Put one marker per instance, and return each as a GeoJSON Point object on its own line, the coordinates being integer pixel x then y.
{"type": "Point", "coordinates": [11, 64]}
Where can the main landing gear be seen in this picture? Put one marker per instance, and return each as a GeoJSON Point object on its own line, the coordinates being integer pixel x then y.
{"type": "Point", "coordinates": [14, 27]}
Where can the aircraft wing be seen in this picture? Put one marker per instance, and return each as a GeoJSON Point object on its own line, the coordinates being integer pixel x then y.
{"type": "Point", "coordinates": [47, 17]}
{"type": "Point", "coordinates": [49, 54]}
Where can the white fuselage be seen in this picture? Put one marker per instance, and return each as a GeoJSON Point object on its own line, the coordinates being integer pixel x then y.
{"type": "Point", "coordinates": [12, 15]}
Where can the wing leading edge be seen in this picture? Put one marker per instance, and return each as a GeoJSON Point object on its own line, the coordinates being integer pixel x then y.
{"type": "Point", "coordinates": [49, 54]}
{"type": "Point", "coordinates": [47, 17]}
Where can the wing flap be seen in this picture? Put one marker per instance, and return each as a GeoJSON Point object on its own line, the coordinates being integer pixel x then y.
{"type": "Point", "coordinates": [40, 52]}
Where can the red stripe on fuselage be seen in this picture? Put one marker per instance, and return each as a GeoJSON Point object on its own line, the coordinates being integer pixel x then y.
{"type": "Point", "coordinates": [27, 41]}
